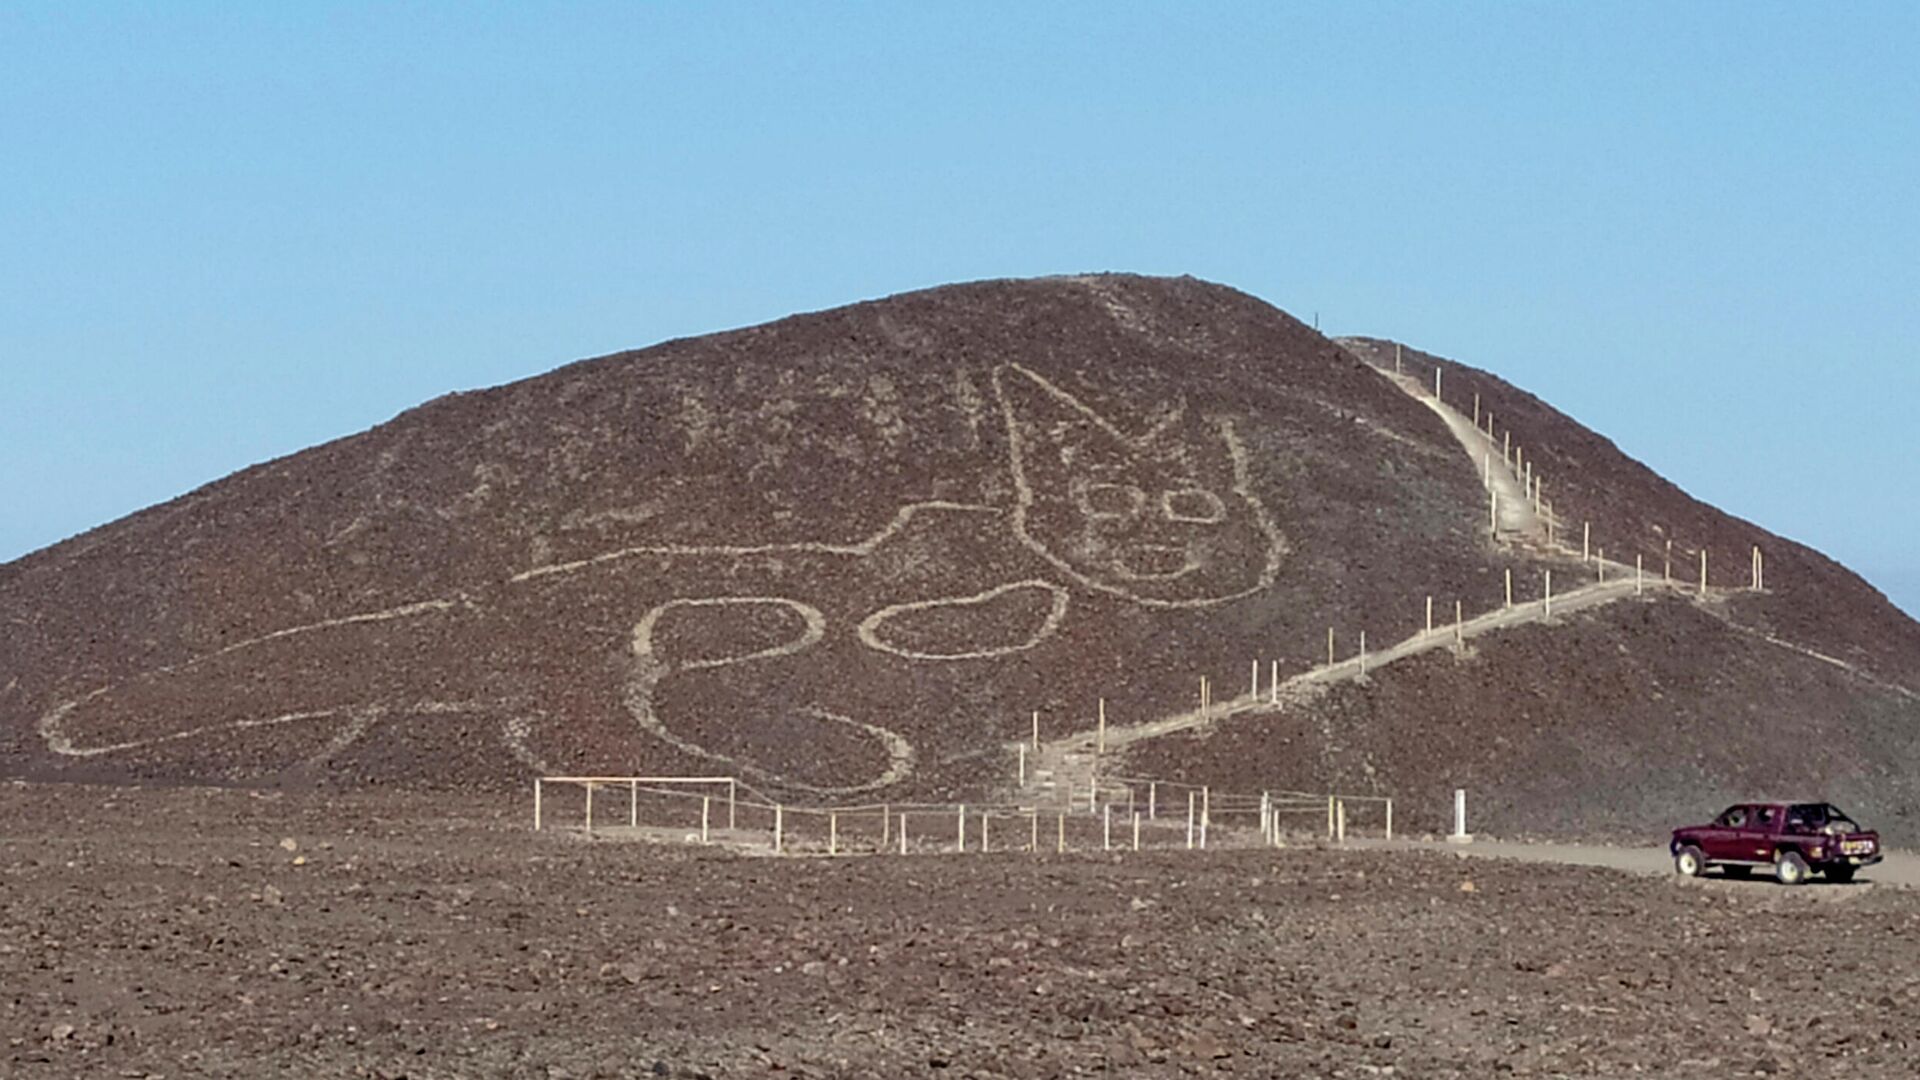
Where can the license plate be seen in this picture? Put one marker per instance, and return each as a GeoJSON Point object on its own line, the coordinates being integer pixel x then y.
{"type": "Point", "coordinates": [1856, 847]}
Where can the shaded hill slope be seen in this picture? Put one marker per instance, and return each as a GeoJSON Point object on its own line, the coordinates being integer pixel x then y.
{"type": "Point", "coordinates": [848, 553]}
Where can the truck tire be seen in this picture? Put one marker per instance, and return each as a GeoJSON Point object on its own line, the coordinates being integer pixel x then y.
{"type": "Point", "coordinates": [1689, 862]}
{"type": "Point", "coordinates": [1789, 868]}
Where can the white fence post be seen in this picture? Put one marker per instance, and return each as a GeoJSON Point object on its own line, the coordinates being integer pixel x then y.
{"type": "Point", "coordinates": [1460, 833]}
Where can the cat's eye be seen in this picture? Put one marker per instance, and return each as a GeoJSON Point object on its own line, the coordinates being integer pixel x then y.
{"type": "Point", "coordinates": [1192, 504]}
{"type": "Point", "coordinates": [1099, 500]}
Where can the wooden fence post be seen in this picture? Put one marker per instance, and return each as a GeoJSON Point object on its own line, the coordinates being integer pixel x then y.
{"type": "Point", "coordinates": [1206, 814]}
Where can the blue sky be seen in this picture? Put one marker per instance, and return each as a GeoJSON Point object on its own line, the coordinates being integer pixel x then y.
{"type": "Point", "coordinates": [232, 231]}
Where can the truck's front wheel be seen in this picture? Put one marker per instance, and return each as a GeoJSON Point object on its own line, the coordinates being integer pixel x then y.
{"type": "Point", "coordinates": [1689, 862]}
{"type": "Point", "coordinates": [1789, 868]}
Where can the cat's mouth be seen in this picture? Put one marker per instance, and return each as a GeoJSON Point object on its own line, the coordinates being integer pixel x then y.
{"type": "Point", "coordinates": [1153, 562]}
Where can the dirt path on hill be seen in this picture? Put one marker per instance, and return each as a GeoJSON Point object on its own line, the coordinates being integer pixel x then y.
{"type": "Point", "coordinates": [1070, 765]}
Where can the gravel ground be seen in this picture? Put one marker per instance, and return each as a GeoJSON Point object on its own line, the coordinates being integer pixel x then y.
{"type": "Point", "coordinates": [225, 933]}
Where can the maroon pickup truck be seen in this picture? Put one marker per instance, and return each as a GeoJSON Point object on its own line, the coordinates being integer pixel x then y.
{"type": "Point", "coordinates": [1793, 840]}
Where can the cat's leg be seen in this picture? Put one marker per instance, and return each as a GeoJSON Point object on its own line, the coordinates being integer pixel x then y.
{"type": "Point", "coordinates": [730, 673]}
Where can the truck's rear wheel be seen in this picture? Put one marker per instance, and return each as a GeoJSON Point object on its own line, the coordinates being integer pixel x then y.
{"type": "Point", "coordinates": [1789, 868]}
{"type": "Point", "coordinates": [1689, 862]}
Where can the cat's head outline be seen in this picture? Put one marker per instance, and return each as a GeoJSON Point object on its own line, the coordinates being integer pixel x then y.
{"type": "Point", "coordinates": [1164, 516]}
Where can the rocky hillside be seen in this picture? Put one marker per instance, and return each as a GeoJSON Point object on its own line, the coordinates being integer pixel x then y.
{"type": "Point", "coordinates": [848, 554]}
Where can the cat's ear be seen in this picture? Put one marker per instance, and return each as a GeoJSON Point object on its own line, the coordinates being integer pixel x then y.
{"type": "Point", "coordinates": [1049, 427]}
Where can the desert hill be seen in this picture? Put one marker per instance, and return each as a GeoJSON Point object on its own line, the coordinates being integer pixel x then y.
{"type": "Point", "coordinates": [848, 554]}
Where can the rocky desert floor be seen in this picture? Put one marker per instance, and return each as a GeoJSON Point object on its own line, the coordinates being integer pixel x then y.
{"type": "Point", "coordinates": [195, 932]}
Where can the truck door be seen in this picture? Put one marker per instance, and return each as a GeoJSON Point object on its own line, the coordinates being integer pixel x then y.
{"type": "Point", "coordinates": [1719, 840]}
{"type": "Point", "coordinates": [1763, 831]}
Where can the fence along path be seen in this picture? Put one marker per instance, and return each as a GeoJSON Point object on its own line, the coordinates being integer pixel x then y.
{"type": "Point", "coordinates": [1518, 515]}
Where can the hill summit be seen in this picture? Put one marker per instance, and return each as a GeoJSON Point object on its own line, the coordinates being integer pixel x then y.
{"type": "Point", "coordinates": [851, 554]}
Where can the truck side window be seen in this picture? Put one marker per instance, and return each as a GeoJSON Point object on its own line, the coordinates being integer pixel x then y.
{"type": "Point", "coordinates": [1769, 817]}
{"type": "Point", "coordinates": [1735, 818]}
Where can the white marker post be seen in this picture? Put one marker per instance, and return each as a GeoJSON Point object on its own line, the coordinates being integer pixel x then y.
{"type": "Point", "coordinates": [1273, 681]}
{"type": "Point", "coordinates": [1429, 615]}
{"type": "Point", "coordinates": [1190, 821]}
{"type": "Point", "coordinates": [1459, 631]}
{"type": "Point", "coordinates": [536, 806]}
{"type": "Point", "coordinates": [1101, 746]}
{"type": "Point", "coordinates": [1546, 597]}
{"type": "Point", "coordinates": [1703, 571]}
{"type": "Point", "coordinates": [1639, 576]}
{"type": "Point", "coordinates": [706, 814]}
{"type": "Point", "coordinates": [960, 841]}
{"type": "Point", "coordinates": [1460, 833]}
{"type": "Point", "coordinates": [1023, 765]}
{"type": "Point", "coordinates": [1509, 586]}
